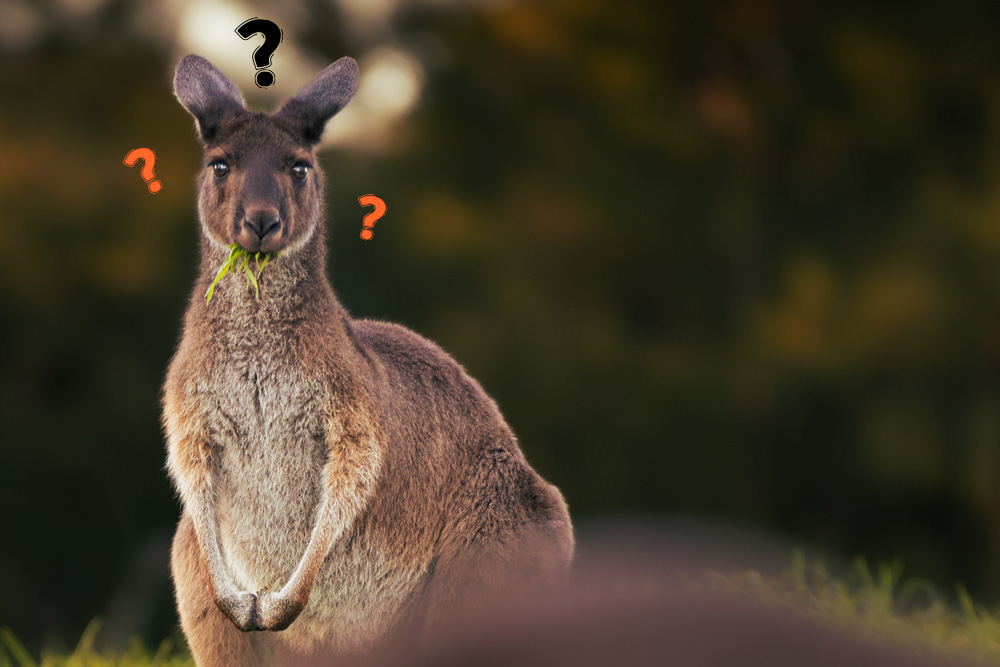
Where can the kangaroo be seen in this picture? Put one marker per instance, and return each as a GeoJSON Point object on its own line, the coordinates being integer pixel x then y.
{"type": "Point", "coordinates": [342, 481]}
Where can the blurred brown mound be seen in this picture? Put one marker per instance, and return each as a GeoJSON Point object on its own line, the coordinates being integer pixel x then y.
{"type": "Point", "coordinates": [635, 599]}
{"type": "Point", "coordinates": [664, 628]}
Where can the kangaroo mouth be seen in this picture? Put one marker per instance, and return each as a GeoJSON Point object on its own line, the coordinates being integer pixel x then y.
{"type": "Point", "coordinates": [271, 242]}
{"type": "Point", "coordinates": [242, 261]}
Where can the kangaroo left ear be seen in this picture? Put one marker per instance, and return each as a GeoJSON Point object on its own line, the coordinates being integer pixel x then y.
{"type": "Point", "coordinates": [321, 99]}
{"type": "Point", "coordinates": [206, 93]}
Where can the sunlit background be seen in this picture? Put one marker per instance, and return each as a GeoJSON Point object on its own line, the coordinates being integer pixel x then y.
{"type": "Point", "coordinates": [734, 260]}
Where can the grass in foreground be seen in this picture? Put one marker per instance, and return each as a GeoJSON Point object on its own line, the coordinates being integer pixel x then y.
{"type": "Point", "coordinates": [879, 605]}
{"type": "Point", "coordinates": [13, 654]}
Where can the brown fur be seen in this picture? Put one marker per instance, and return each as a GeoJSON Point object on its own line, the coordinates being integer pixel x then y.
{"type": "Point", "coordinates": [343, 479]}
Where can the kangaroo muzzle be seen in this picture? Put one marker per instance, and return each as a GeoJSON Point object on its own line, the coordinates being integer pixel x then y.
{"type": "Point", "coordinates": [261, 230]}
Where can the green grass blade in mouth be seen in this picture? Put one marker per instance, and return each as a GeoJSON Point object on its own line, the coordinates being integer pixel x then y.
{"type": "Point", "coordinates": [260, 266]}
{"type": "Point", "coordinates": [238, 254]}
{"type": "Point", "coordinates": [223, 270]}
{"type": "Point", "coordinates": [244, 266]}
{"type": "Point", "coordinates": [251, 279]}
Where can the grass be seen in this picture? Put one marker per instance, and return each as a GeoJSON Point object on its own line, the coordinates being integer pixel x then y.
{"type": "Point", "coordinates": [13, 654]}
{"type": "Point", "coordinates": [877, 604]}
{"type": "Point", "coordinates": [241, 257]}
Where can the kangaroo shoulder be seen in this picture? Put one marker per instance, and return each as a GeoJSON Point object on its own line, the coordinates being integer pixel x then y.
{"type": "Point", "coordinates": [418, 372]}
{"type": "Point", "coordinates": [407, 352]}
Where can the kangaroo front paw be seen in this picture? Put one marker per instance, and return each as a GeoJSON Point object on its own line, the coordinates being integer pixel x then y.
{"type": "Point", "coordinates": [278, 611]}
{"type": "Point", "coordinates": [241, 609]}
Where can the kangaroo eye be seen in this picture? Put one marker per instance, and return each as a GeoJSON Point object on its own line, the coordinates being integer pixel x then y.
{"type": "Point", "coordinates": [219, 168]}
{"type": "Point", "coordinates": [299, 171]}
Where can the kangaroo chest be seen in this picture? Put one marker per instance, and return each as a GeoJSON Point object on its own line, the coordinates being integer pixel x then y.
{"type": "Point", "coordinates": [268, 431]}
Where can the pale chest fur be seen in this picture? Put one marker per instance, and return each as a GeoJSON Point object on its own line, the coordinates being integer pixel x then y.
{"type": "Point", "coordinates": [267, 416]}
{"type": "Point", "coordinates": [266, 424]}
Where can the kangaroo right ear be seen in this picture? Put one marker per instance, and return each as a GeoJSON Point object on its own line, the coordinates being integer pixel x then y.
{"type": "Point", "coordinates": [321, 99]}
{"type": "Point", "coordinates": [206, 93]}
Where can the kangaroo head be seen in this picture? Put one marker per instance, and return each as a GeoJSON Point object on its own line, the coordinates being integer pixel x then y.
{"type": "Point", "coordinates": [261, 185]}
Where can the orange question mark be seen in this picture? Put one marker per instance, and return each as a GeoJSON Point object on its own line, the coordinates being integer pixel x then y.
{"type": "Point", "coordinates": [380, 208]}
{"type": "Point", "coordinates": [148, 158]}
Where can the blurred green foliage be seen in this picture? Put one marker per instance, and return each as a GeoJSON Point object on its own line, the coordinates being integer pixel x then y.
{"type": "Point", "coordinates": [86, 655]}
{"type": "Point", "coordinates": [736, 258]}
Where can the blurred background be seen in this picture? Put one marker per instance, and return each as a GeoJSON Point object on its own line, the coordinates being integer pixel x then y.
{"type": "Point", "coordinates": [732, 260]}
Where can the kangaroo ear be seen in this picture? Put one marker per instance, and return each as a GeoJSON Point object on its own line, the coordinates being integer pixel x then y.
{"type": "Point", "coordinates": [322, 97]}
{"type": "Point", "coordinates": [206, 93]}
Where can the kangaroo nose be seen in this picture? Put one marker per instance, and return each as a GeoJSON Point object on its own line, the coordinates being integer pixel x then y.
{"type": "Point", "coordinates": [262, 221]}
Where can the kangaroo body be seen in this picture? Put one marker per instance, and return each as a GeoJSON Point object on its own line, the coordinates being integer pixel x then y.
{"type": "Point", "coordinates": [344, 482]}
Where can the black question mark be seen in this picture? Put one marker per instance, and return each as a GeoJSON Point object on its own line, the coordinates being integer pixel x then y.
{"type": "Point", "coordinates": [262, 56]}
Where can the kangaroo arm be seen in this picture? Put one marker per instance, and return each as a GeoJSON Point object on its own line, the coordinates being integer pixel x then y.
{"type": "Point", "coordinates": [189, 460]}
{"type": "Point", "coordinates": [349, 477]}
